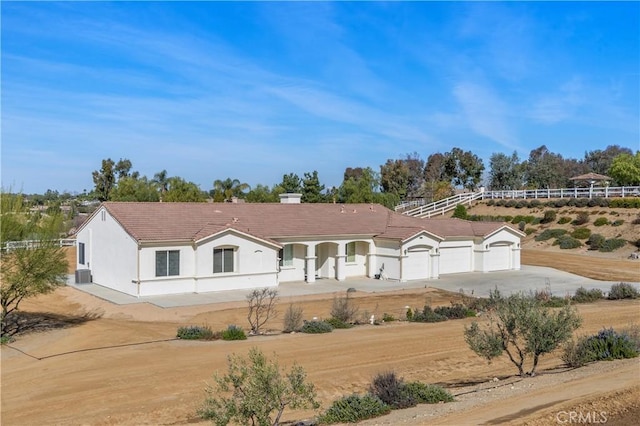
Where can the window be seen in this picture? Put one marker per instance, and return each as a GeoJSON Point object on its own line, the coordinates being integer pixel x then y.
{"type": "Point", "coordinates": [351, 252]}
{"type": "Point", "coordinates": [81, 253]}
{"type": "Point", "coordinates": [286, 255]}
{"type": "Point", "coordinates": [223, 260]}
{"type": "Point", "coordinates": [167, 263]}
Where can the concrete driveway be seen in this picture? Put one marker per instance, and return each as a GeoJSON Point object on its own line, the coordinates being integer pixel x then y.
{"type": "Point", "coordinates": [529, 278]}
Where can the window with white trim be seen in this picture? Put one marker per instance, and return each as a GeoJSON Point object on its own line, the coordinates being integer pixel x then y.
{"type": "Point", "coordinates": [167, 263]}
{"type": "Point", "coordinates": [286, 255]}
{"type": "Point", "coordinates": [351, 252]}
{"type": "Point", "coordinates": [223, 260]}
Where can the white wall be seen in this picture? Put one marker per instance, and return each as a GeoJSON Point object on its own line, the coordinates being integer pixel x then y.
{"type": "Point", "coordinates": [388, 255]}
{"type": "Point", "coordinates": [296, 271]}
{"type": "Point", "coordinates": [359, 267]}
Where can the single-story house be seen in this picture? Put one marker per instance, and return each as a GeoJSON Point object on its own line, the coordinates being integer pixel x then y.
{"type": "Point", "coordinates": [147, 249]}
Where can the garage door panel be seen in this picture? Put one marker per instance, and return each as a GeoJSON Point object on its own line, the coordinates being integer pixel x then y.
{"type": "Point", "coordinates": [416, 265]}
{"type": "Point", "coordinates": [499, 257]}
{"type": "Point", "coordinates": [455, 260]}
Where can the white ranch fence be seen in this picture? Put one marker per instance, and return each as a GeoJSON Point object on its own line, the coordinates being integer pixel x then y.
{"type": "Point", "coordinates": [422, 208]}
{"type": "Point", "coordinates": [31, 244]}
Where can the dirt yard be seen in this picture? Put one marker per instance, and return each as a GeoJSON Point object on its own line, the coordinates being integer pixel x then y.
{"type": "Point", "coordinates": [121, 365]}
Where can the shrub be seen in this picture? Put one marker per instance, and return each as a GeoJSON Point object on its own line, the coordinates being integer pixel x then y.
{"type": "Point", "coordinates": [623, 291]}
{"type": "Point", "coordinates": [510, 203]}
{"type": "Point", "coordinates": [535, 203]}
{"type": "Point", "coordinates": [625, 203]}
{"type": "Point", "coordinates": [595, 241]}
{"type": "Point", "coordinates": [549, 216]}
{"type": "Point", "coordinates": [427, 315]}
{"type": "Point", "coordinates": [636, 221]}
{"type": "Point", "coordinates": [353, 408]}
{"type": "Point", "coordinates": [567, 242]}
{"type": "Point", "coordinates": [632, 333]}
{"type": "Point", "coordinates": [612, 244]}
{"type": "Point", "coordinates": [460, 212]}
{"type": "Point", "coordinates": [608, 345]}
{"type": "Point", "coordinates": [563, 220]}
{"type": "Point", "coordinates": [234, 333]}
{"type": "Point", "coordinates": [196, 332]}
{"type": "Point", "coordinates": [617, 222]}
{"type": "Point", "coordinates": [581, 233]}
{"type": "Point", "coordinates": [582, 295]}
{"type": "Point", "coordinates": [390, 389]}
{"type": "Point", "coordinates": [343, 308]}
{"type": "Point", "coordinates": [293, 318]}
{"type": "Point", "coordinates": [388, 317]}
{"type": "Point", "coordinates": [316, 327]}
{"type": "Point", "coordinates": [547, 234]}
{"type": "Point", "coordinates": [262, 304]}
{"type": "Point", "coordinates": [521, 204]}
{"type": "Point", "coordinates": [427, 394]}
{"type": "Point", "coordinates": [491, 202]}
{"type": "Point", "coordinates": [256, 391]}
{"type": "Point", "coordinates": [601, 221]}
{"type": "Point", "coordinates": [455, 311]}
{"type": "Point", "coordinates": [581, 219]}
{"type": "Point", "coordinates": [337, 323]}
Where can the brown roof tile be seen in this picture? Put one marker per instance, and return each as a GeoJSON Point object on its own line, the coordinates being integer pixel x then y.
{"type": "Point", "coordinates": [194, 221]}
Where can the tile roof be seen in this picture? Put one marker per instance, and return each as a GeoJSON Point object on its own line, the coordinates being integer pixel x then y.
{"type": "Point", "coordinates": [148, 222]}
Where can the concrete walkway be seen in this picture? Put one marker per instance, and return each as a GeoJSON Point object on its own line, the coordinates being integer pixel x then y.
{"type": "Point", "coordinates": [529, 278]}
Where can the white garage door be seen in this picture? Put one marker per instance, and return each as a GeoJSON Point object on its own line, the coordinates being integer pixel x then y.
{"type": "Point", "coordinates": [499, 257]}
{"type": "Point", "coordinates": [416, 264]}
{"type": "Point", "coordinates": [455, 259]}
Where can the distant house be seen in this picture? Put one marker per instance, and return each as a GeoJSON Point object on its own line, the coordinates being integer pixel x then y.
{"type": "Point", "coordinates": [147, 249]}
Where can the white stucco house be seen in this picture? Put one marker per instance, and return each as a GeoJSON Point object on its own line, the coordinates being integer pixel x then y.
{"type": "Point", "coordinates": [145, 249]}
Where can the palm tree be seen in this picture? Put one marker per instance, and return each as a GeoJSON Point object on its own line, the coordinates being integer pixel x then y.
{"type": "Point", "coordinates": [224, 190]}
{"type": "Point", "coordinates": [161, 180]}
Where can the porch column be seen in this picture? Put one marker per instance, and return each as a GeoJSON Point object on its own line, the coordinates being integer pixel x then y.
{"type": "Point", "coordinates": [371, 261]}
{"type": "Point", "coordinates": [340, 262]}
{"type": "Point", "coordinates": [435, 263]}
{"type": "Point", "coordinates": [311, 263]}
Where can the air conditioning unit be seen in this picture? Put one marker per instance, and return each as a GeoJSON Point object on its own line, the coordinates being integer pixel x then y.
{"type": "Point", "coordinates": [83, 276]}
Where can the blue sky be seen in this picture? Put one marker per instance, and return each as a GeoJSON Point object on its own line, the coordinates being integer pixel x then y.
{"type": "Point", "coordinates": [210, 90]}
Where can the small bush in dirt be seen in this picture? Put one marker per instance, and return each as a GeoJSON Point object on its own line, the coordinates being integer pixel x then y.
{"type": "Point", "coordinates": [529, 231]}
{"type": "Point", "coordinates": [427, 394]}
{"type": "Point", "coordinates": [632, 333]}
{"type": "Point", "coordinates": [390, 389]}
{"type": "Point", "coordinates": [563, 220]}
{"type": "Point", "coordinates": [344, 308]}
{"type": "Point", "coordinates": [567, 242]}
{"type": "Point", "coordinates": [353, 408]}
{"type": "Point", "coordinates": [547, 234]}
{"type": "Point", "coordinates": [609, 344]}
{"type": "Point", "coordinates": [574, 353]}
{"type": "Point", "coordinates": [510, 203]}
{"type": "Point", "coordinates": [455, 311]}
{"type": "Point", "coordinates": [623, 291]}
{"type": "Point", "coordinates": [337, 323]}
{"type": "Point", "coordinates": [388, 317]}
{"type": "Point", "coordinates": [521, 204]}
{"type": "Point", "coordinates": [520, 218]}
{"type": "Point", "coordinates": [293, 318]}
{"type": "Point", "coordinates": [508, 218]}
{"type": "Point", "coordinates": [549, 216]}
{"type": "Point", "coordinates": [581, 233]}
{"type": "Point", "coordinates": [581, 219]}
{"type": "Point", "coordinates": [197, 332]}
{"type": "Point", "coordinates": [428, 315]}
{"type": "Point", "coordinates": [617, 222]}
{"type": "Point", "coordinates": [595, 241]}
{"type": "Point", "coordinates": [316, 327]}
{"type": "Point", "coordinates": [636, 221]}
{"type": "Point", "coordinates": [582, 295]}
{"type": "Point", "coordinates": [491, 202]}
{"type": "Point", "coordinates": [522, 225]}
{"type": "Point", "coordinates": [612, 244]}
{"type": "Point", "coordinates": [234, 333]}
{"type": "Point", "coordinates": [601, 221]}
{"type": "Point", "coordinates": [535, 203]}
{"type": "Point", "coordinates": [460, 212]}
{"type": "Point", "coordinates": [625, 203]}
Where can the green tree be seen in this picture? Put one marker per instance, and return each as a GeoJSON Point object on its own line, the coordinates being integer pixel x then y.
{"type": "Point", "coordinates": [263, 194]}
{"type": "Point", "coordinates": [600, 161]}
{"type": "Point", "coordinates": [523, 328]}
{"type": "Point", "coordinates": [291, 183]}
{"type": "Point", "coordinates": [505, 171]}
{"type": "Point", "coordinates": [256, 391]}
{"type": "Point", "coordinates": [183, 191]}
{"type": "Point", "coordinates": [468, 168]}
{"type": "Point", "coordinates": [104, 179]}
{"type": "Point", "coordinates": [544, 169]}
{"type": "Point", "coordinates": [27, 271]}
{"type": "Point", "coordinates": [394, 178]}
{"type": "Point", "coordinates": [359, 187]}
{"type": "Point", "coordinates": [225, 190]}
{"type": "Point", "coordinates": [625, 169]}
{"type": "Point", "coordinates": [161, 181]}
{"type": "Point", "coordinates": [312, 189]}
{"type": "Point", "coordinates": [134, 189]}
